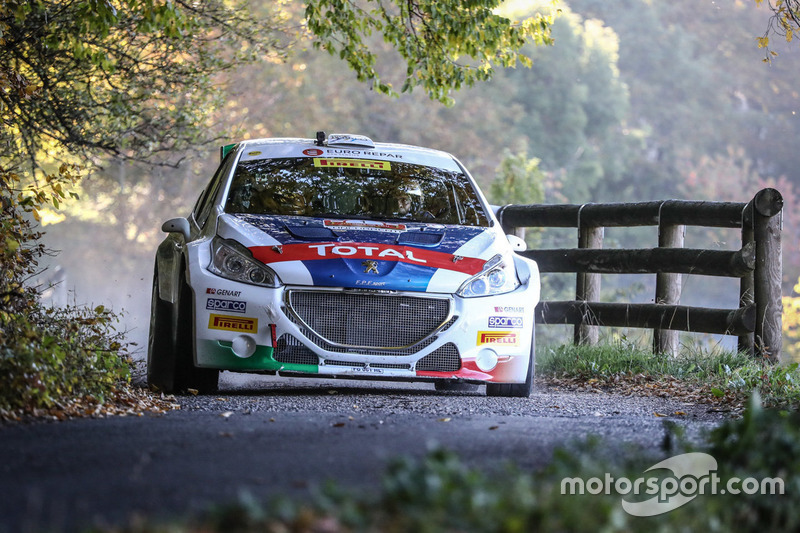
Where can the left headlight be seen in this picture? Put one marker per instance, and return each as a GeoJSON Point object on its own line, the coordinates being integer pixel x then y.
{"type": "Point", "coordinates": [231, 260]}
{"type": "Point", "coordinates": [497, 277]}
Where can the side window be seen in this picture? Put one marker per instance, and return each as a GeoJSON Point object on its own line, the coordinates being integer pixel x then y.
{"type": "Point", "coordinates": [206, 201]}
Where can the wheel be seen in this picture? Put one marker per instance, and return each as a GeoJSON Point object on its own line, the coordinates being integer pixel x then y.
{"type": "Point", "coordinates": [188, 376]}
{"type": "Point", "coordinates": [516, 390]}
{"type": "Point", "coordinates": [161, 342]}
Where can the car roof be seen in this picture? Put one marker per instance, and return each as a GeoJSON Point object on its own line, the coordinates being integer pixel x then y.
{"type": "Point", "coordinates": [285, 147]}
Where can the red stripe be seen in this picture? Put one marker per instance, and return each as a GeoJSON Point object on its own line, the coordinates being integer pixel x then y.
{"type": "Point", "coordinates": [377, 252]}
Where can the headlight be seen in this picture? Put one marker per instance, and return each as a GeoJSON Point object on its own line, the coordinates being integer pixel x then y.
{"type": "Point", "coordinates": [497, 277]}
{"type": "Point", "coordinates": [233, 261]}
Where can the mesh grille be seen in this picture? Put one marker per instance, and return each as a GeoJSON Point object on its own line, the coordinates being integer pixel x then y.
{"type": "Point", "coordinates": [444, 359]}
{"type": "Point", "coordinates": [290, 350]}
{"type": "Point", "coordinates": [393, 366]}
{"type": "Point", "coordinates": [335, 362]}
{"type": "Point", "coordinates": [369, 320]}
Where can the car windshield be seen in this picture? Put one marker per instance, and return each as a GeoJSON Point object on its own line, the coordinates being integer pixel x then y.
{"type": "Point", "coordinates": [354, 188]}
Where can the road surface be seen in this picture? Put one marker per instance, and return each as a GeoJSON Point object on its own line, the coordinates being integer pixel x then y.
{"type": "Point", "coordinates": [277, 436]}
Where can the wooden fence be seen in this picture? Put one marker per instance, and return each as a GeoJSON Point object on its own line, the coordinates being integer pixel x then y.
{"type": "Point", "coordinates": [757, 322]}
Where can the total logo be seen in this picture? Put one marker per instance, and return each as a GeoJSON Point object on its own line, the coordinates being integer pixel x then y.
{"type": "Point", "coordinates": [501, 338]}
{"type": "Point", "coordinates": [323, 250]}
{"type": "Point", "coordinates": [233, 306]}
{"type": "Point", "coordinates": [514, 322]}
{"type": "Point", "coordinates": [233, 323]}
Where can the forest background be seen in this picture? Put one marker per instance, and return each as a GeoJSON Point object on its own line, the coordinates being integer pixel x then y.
{"type": "Point", "coordinates": [637, 100]}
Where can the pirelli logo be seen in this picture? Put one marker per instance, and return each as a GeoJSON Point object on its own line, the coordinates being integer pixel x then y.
{"type": "Point", "coordinates": [233, 323]}
{"type": "Point", "coordinates": [502, 338]}
{"type": "Point", "coordinates": [323, 162]}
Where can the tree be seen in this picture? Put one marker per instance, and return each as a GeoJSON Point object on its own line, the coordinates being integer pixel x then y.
{"type": "Point", "coordinates": [572, 105]}
{"type": "Point", "coordinates": [784, 21]}
{"type": "Point", "coordinates": [125, 78]}
{"type": "Point", "coordinates": [134, 79]}
{"type": "Point", "coordinates": [433, 37]}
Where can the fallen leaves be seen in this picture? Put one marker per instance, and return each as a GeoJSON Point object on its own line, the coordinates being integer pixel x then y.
{"type": "Point", "coordinates": [629, 384]}
{"type": "Point", "coordinates": [124, 400]}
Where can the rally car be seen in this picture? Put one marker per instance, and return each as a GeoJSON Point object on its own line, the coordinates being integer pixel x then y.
{"type": "Point", "coordinates": [342, 257]}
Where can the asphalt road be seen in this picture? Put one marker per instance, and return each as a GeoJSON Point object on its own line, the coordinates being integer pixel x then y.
{"type": "Point", "coordinates": [274, 436]}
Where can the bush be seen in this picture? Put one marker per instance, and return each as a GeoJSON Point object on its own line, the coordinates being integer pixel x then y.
{"type": "Point", "coordinates": [48, 357]}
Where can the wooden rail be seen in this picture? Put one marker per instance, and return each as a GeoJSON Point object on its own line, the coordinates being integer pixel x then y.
{"type": "Point", "coordinates": [757, 322]}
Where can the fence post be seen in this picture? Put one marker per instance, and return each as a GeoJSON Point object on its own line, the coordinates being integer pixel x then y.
{"type": "Point", "coordinates": [767, 206]}
{"type": "Point", "coordinates": [747, 342]}
{"type": "Point", "coordinates": [668, 287]}
{"type": "Point", "coordinates": [587, 286]}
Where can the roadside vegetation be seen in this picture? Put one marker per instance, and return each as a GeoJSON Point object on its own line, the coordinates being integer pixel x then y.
{"type": "Point", "coordinates": [54, 361]}
{"type": "Point", "coordinates": [720, 377]}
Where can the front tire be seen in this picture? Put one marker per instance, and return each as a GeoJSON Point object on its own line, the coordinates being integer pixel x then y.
{"type": "Point", "coordinates": [517, 390]}
{"type": "Point", "coordinates": [161, 342]}
{"type": "Point", "coordinates": [188, 376]}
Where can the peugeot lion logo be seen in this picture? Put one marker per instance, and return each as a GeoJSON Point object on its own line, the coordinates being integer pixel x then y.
{"type": "Point", "coordinates": [371, 267]}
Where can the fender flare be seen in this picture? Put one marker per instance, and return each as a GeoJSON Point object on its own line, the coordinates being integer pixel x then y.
{"type": "Point", "coordinates": [169, 261]}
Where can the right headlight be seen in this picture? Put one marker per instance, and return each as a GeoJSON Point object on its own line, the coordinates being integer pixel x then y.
{"type": "Point", "coordinates": [497, 277]}
{"type": "Point", "coordinates": [231, 260]}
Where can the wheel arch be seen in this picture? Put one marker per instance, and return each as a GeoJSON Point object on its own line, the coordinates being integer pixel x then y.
{"type": "Point", "coordinates": [169, 262]}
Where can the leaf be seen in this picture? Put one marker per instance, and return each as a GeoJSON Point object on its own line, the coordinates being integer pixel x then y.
{"type": "Point", "coordinates": [11, 245]}
{"type": "Point", "coordinates": [718, 393]}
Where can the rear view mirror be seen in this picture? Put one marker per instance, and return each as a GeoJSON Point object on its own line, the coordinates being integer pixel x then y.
{"type": "Point", "coordinates": [517, 244]}
{"type": "Point", "coordinates": [176, 225]}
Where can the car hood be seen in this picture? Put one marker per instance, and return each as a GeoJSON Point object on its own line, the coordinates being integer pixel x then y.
{"type": "Point", "coordinates": [365, 254]}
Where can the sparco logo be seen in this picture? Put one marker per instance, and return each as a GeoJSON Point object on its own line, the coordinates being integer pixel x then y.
{"type": "Point", "coordinates": [226, 305]}
{"type": "Point", "coordinates": [233, 323]}
{"type": "Point", "coordinates": [507, 338]}
{"type": "Point", "coordinates": [514, 322]}
{"type": "Point", "coordinates": [224, 292]}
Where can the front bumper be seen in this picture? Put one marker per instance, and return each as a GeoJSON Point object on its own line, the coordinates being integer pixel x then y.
{"type": "Point", "coordinates": [241, 327]}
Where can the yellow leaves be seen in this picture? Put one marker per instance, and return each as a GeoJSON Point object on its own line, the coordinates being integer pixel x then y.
{"type": "Point", "coordinates": [11, 245]}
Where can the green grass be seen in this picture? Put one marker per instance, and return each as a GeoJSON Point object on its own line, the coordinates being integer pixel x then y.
{"type": "Point", "coordinates": [722, 373]}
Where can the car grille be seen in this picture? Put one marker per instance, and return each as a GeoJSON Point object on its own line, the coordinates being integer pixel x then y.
{"type": "Point", "coordinates": [443, 359]}
{"type": "Point", "coordinates": [291, 350]}
{"type": "Point", "coordinates": [364, 322]}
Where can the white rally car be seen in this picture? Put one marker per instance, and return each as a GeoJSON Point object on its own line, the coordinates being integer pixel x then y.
{"type": "Point", "coordinates": [340, 257]}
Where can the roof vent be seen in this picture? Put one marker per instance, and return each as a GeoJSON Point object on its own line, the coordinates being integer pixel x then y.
{"type": "Point", "coordinates": [346, 139]}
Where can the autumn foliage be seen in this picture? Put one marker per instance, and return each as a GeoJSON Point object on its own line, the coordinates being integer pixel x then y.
{"type": "Point", "coordinates": [49, 357]}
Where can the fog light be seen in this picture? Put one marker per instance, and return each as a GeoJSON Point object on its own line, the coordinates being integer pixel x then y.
{"type": "Point", "coordinates": [243, 346]}
{"type": "Point", "coordinates": [486, 360]}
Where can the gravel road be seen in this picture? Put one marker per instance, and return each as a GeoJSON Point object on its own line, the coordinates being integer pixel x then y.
{"type": "Point", "coordinates": [278, 436]}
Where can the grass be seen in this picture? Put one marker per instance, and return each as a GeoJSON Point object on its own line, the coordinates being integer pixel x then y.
{"type": "Point", "coordinates": [718, 374]}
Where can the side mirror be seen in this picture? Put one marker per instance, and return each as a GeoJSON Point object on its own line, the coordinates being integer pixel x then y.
{"type": "Point", "coordinates": [176, 225]}
{"type": "Point", "coordinates": [517, 244]}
